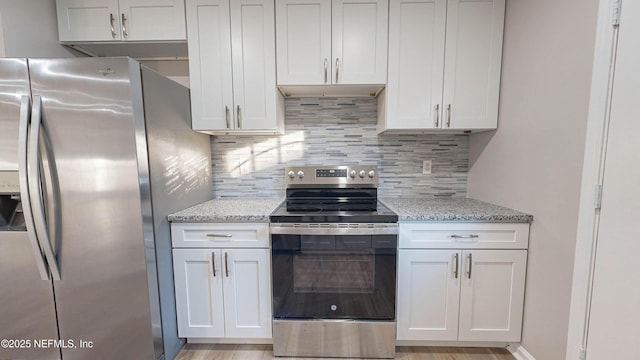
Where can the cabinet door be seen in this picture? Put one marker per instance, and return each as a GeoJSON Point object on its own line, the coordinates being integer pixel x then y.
{"type": "Point", "coordinates": [88, 20]}
{"type": "Point", "coordinates": [492, 295]}
{"type": "Point", "coordinates": [472, 63]}
{"type": "Point", "coordinates": [416, 63]}
{"type": "Point", "coordinates": [209, 45]}
{"type": "Point", "coordinates": [303, 30]}
{"type": "Point", "coordinates": [247, 293]}
{"type": "Point", "coordinates": [199, 299]}
{"type": "Point", "coordinates": [254, 64]}
{"type": "Point", "coordinates": [152, 20]}
{"type": "Point", "coordinates": [428, 294]}
{"type": "Point", "coordinates": [359, 41]}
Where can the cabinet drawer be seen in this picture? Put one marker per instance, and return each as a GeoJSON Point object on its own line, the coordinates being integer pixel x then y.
{"type": "Point", "coordinates": [423, 235]}
{"type": "Point", "coordinates": [220, 235]}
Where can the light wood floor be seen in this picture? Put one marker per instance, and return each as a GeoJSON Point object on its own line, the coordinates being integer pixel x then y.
{"type": "Point", "coordinates": [264, 352]}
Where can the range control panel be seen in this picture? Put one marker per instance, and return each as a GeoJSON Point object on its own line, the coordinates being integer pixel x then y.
{"type": "Point", "coordinates": [332, 175]}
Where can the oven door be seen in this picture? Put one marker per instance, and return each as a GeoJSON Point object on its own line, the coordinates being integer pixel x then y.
{"type": "Point", "coordinates": [334, 273]}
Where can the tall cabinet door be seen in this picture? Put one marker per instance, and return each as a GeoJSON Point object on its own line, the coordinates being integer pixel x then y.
{"type": "Point", "coordinates": [359, 45]}
{"type": "Point", "coordinates": [428, 294]}
{"type": "Point", "coordinates": [88, 20]}
{"type": "Point", "coordinates": [198, 277]}
{"type": "Point", "coordinates": [472, 67]}
{"type": "Point", "coordinates": [209, 42]}
{"type": "Point", "coordinates": [152, 20]}
{"type": "Point", "coordinates": [416, 63]}
{"type": "Point", "coordinates": [303, 30]}
{"type": "Point", "coordinates": [254, 64]}
{"type": "Point", "coordinates": [247, 293]}
{"type": "Point", "coordinates": [492, 295]}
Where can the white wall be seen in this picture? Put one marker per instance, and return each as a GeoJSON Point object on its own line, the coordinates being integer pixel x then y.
{"type": "Point", "coordinates": [533, 161]}
{"type": "Point", "coordinates": [30, 29]}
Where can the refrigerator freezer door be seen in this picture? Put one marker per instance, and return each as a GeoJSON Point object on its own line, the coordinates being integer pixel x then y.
{"type": "Point", "coordinates": [27, 308]}
{"type": "Point", "coordinates": [91, 113]}
{"type": "Point", "coordinates": [27, 311]}
{"type": "Point", "coordinates": [14, 83]}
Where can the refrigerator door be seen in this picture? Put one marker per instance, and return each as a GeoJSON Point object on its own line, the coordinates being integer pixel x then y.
{"type": "Point", "coordinates": [93, 193]}
{"type": "Point", "coordinates": [14, 83]}
{"type": "Point", "coordinates": [27, 309]}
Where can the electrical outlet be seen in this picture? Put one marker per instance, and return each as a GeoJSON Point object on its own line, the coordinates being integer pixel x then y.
{"type": "Point", "coordinates": [426, 166]}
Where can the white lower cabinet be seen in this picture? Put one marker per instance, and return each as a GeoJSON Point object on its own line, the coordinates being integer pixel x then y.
{"type": "Point", "coordinates": [460, 294]}
{"type": "Point", "coordinates": [223, 293]}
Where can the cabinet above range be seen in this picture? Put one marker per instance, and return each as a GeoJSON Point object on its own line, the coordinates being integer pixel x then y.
{"type": "Point", "coordinates": [331, 47]}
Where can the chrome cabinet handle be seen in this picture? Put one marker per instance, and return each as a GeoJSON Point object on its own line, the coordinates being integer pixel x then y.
{"type": "Point", "coordinates": [449, 115]}
{"type": "Point", "coordinates": [220, 235]}
{"type": "Point", "coordinates": [456, 266]}
{"type": "Point", "coordinates": [124, 26]}
{"type": "Point", "coordinates": [436, 123]}
{"type": "Point", "coordinates": [337, 69]}
{"type": "Point", "coordinates": [213, 263]}
{"type": "Point", "coordinates": [23, 136]}
{"type": "Point", "coordinates": [33, 174]}
{"type": "Point", "coordinates": [226, 263]}
{"type": "Point", "coordinates": [226, 113]}
{"type": "Point", "coordinates": [112, 19]}
{"type": "Point", "coordinates": [470, 257]}
{"type": "Point", "coordinates": [238, 117]}
{"type": "Point", "coordinates": [325, 70]}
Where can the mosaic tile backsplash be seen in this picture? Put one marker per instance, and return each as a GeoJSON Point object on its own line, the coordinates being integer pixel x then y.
{"type": "Point", "coordinates": [339, 131]}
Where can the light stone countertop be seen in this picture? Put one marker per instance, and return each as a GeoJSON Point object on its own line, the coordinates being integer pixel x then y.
{"type": "Point", "coordinates": [425, 209]}
{"type": "Point", "coordinates": [228, 210]}
{"type": "Point", "coordinates": [408, 209]}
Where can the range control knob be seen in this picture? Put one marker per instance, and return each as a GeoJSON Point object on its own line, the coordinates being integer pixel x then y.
{"type": "Point", "coordinates": [361, 174]}
{"type": "Point", "coordinates": [372, 173]}
{"type": "Point", "coordinates": [291, 174]}
{"type": "Point", "coordinates": [352, 174]}
{"type": "Point", "coordinates": [300, 174]}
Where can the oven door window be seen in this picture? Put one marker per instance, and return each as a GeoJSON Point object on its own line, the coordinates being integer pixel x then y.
{"type": "Point", "coordinates": [334, 277]}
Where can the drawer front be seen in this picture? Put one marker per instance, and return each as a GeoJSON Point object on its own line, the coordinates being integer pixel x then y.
{"type": "Point", "coordinates": [220, 235]}
{"type": "Point", "coordinates": [428, 235]}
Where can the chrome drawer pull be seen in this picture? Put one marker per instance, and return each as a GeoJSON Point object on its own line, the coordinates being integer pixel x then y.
{"type": "Point", "coordinates": [470, 236]}
{"type": "Point", "coordinates": [220, 235]}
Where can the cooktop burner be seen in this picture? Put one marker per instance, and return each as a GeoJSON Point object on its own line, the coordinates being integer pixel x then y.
{"type": "Point", "coordinates": [332, 194]}
{"type": "Point", "coordinates": [380, 215]}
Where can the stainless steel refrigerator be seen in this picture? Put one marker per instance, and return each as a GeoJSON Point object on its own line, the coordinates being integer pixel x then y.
{"type": "Point", "coordinates": [94, 153]}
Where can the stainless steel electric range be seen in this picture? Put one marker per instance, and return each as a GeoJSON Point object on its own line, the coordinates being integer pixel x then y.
{"type": "Point", "coordinates": [334, 248]}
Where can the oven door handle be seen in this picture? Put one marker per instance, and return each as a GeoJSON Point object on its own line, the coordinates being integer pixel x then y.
{"type": "Point", "coordinates": [287, 229]}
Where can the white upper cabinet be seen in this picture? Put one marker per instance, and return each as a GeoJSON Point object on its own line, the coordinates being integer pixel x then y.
{"type": "Point", "coordinates": [123, 20]}
{"type": "Point", "coordinates": [232, 67]}
{"type": "Point", "coordinates": [359, 41]}
{"type": "Point", "coordinates": [322, 42]}
{"type": "Point", "coordinates": [444, 65]}
{"type": "Point", "coordinates": [303, 29]}
{"type": "Point", "coordinates": [416, 63]}
{"type": "Point", "coordinates": [472, 63]}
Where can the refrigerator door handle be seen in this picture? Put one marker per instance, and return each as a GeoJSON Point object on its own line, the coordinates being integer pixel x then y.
{"type": "Point", "coordinates": [23, 135]}
{"type": "Point", "coordinates": [33, 171]}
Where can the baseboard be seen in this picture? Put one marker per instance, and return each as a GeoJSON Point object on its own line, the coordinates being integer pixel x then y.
{"type": "Point", "coordinates": [519, 352]}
